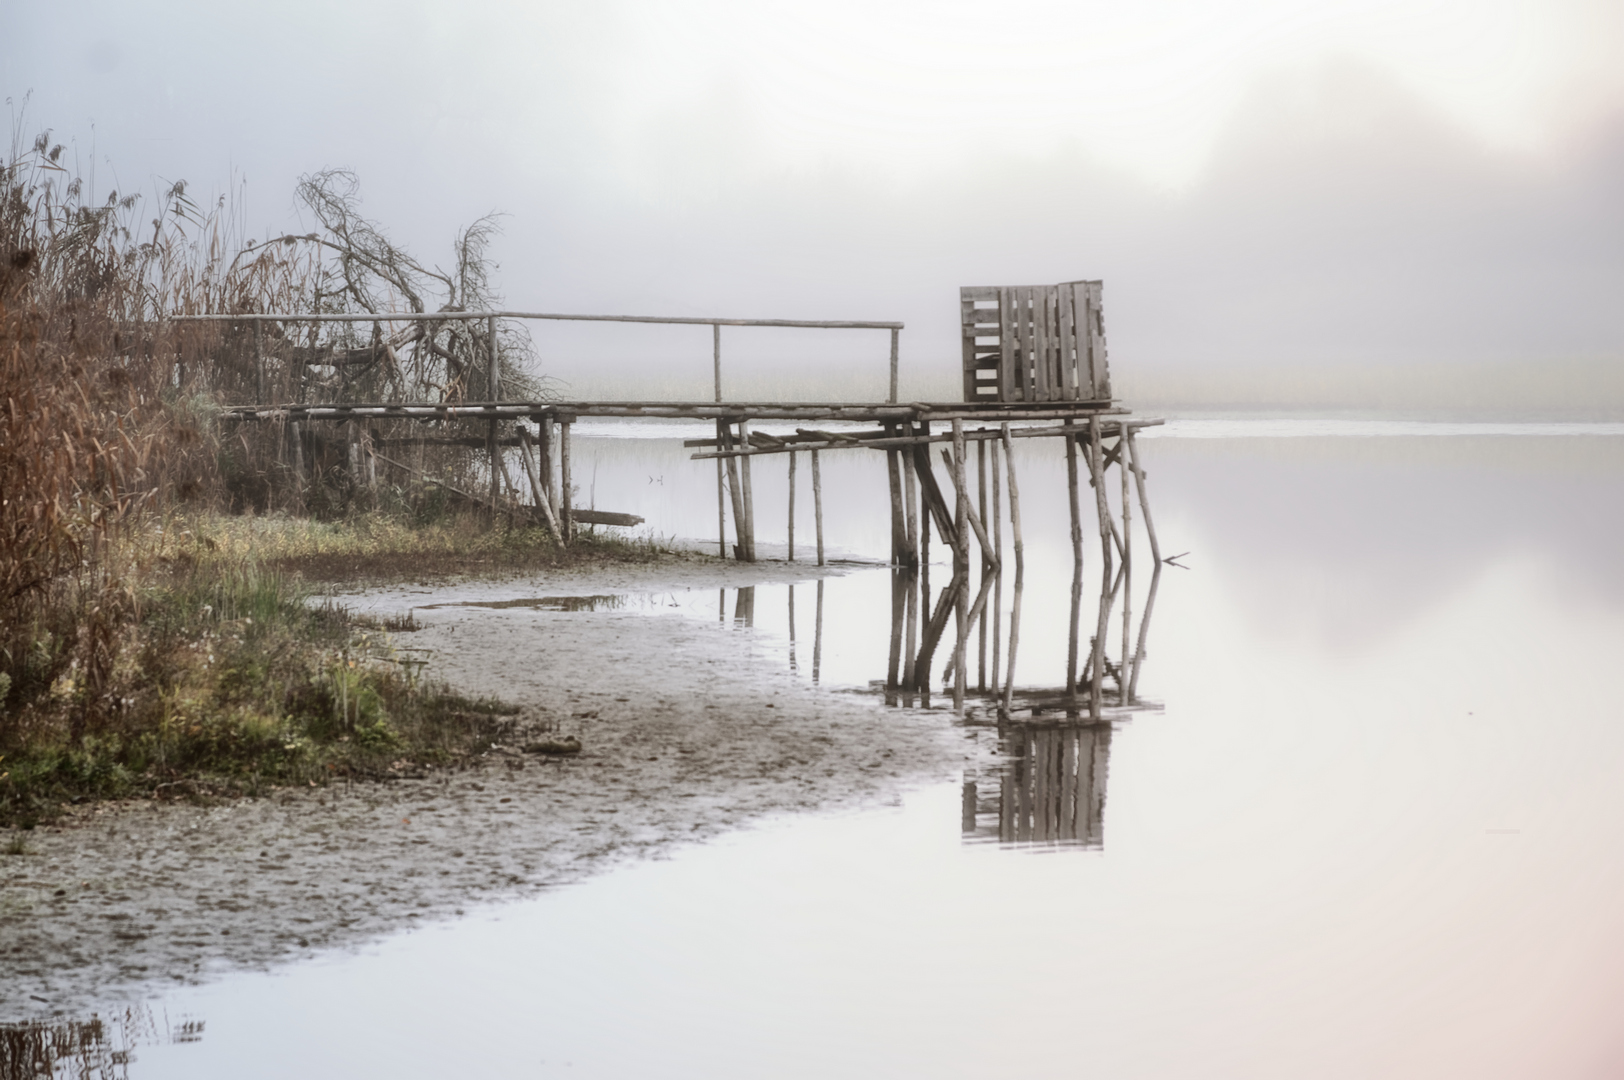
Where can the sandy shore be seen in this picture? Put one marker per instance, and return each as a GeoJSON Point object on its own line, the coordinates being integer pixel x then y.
{"type": "Point", "coordinates": [685, 736]}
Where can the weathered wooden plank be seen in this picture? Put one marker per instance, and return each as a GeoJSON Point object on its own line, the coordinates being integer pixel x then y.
{"type": "Point", "coordinates": [1008, 386]}
{"type": "Point", "coordinates": [603, 517]}
{"type": "Point", "coordinates": [1066, 350]}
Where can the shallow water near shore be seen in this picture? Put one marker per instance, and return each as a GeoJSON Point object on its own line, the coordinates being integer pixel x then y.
{"type": "Point", "coordinates": [1376, 830]}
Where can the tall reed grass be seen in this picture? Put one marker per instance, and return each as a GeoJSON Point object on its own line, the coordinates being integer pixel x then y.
{"type": "Point", "coordinates": [108, 431]}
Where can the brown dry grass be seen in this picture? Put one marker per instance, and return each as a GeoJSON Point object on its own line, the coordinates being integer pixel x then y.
{"type": "Point", "coordinates": [109, 446]}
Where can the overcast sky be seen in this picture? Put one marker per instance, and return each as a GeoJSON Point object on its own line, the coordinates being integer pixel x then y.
{"type": "Point", "coordinates": [1305, 183]}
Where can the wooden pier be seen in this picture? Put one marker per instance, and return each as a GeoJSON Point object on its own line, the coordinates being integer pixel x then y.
{"type": "Point", "coordinates": [1034, 366]}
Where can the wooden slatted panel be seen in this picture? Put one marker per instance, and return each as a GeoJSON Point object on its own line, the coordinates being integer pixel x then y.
{"type": "Point", "coordinates": [1098, 366]}
{"type": "Point", "coordinates": [1024, 341]}
{"type": "Point", "coordinates": [1008, 385]}
{"type": "Point", "coordinates": [966, 319]}
{"type": "Point", "coordinates": [1033, 343]}
{"type": "Point", "coordinates": [1040, 344]}
{"type": "Point", "coordinates": [1065, 355]}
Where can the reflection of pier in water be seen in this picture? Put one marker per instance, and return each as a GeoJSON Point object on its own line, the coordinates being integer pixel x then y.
{"type": "Point", "coordinates": [1053, 737]}
{"type": "Point", "coordinates": [94, 1049]}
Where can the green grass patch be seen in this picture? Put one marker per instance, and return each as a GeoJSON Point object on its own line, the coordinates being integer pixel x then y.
{"type": "Point", "coordinates": [230, 680]}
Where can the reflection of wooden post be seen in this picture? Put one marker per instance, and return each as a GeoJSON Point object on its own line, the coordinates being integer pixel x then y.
{"type": "Point", "coordinates": [817, 636]}
{"type": "Point", "coordinates": [961, 568]}
{"type": "Point", "coordinates": [911, 619]}
{"type": "Point", "coordinates": [1103, 511]}
{"type": "Point", "coordinates": [998, 575]}
{"type": "Point", "coordinates": [1127, 563]}
{"type": "Point", "coordinates": [1155, 566]}
{"type": "Point", "coordinates": [792, 628]}
{"type": "Point", "coordinates": [899, 610]}
{"type": "Point", "coordinates": [1076, 561]}
{"type": "Point", "coordinates": [744, 608]}
{"type": "Point", "coordinates": [817, 504]}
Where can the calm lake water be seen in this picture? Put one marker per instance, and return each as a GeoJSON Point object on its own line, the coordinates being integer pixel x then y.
{"type": "Point", "coordinates": [1377, 828]}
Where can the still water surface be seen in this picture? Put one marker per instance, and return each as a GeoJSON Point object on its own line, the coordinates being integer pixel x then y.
{"type": "Point", "coordinates": [1377, 831]}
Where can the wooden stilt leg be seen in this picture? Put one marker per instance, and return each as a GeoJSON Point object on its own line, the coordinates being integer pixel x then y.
{"type": "Point", "coordinates": [749, 541]}
{"type": "Point", "coordinates": [566, 496]}
{"type": "Point", "coordinates": [724, 438]}
{"type": "Point", "coordinates": [1020, 568]}
{"type": "Point", "coordinates": [817, 504]}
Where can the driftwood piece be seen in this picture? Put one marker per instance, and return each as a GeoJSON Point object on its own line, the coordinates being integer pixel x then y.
{"type": "Point", "coordinates": [603, 517]}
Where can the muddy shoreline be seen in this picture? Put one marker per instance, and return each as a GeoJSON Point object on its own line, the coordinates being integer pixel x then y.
{"type": "Point", "coordinates": [685, 736]}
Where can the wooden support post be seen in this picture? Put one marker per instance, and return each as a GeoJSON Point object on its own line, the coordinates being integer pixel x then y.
{"type": "Point", "coordinates": [817, 505]}
{"type": "Point", "coordinates": [998, 575]}
{"type": "Point", "coordinates": [495, 387]}
{"type": "Point", "coordinates": [259, 367]}
{"type": "Point", "coordinates": [910, 483]}
{"type": "Point", "coordinates": [724, 438]}
{"type": "Point", "coordinates": [893, 396]}
{"type": "Point", "coordinates": [1107, 535]}
{"type": "Point", "coordinates": [1076, 562]}
{"type": "Point", "coordinates": [721, 498]}
{"type": "Point", "coordinates": [544, 464]}
{"type": "Point", "coordinates": [922, 463]}
{"type": "Point", "coordinates": [749, 539]}
{"type": "Point", "coordinates": [566, 496]}
{"type": "Point", "coordinates": [970, 517]}
{"type": "Point", "coordinates": [792, 506]}
{"type": "Point", "coordinates": [1020, 567]}
{"type": "Point", "coordinates": [543, 510]}
{"type": "Point", "coordinates": [899, 526]}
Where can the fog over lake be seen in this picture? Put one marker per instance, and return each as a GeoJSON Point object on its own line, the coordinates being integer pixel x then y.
{"type": "Point", "coordinates": [1364, 257]}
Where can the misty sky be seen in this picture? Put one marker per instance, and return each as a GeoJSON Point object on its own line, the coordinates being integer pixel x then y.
{"type": "Point", "coordinates": [1341, 182]}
